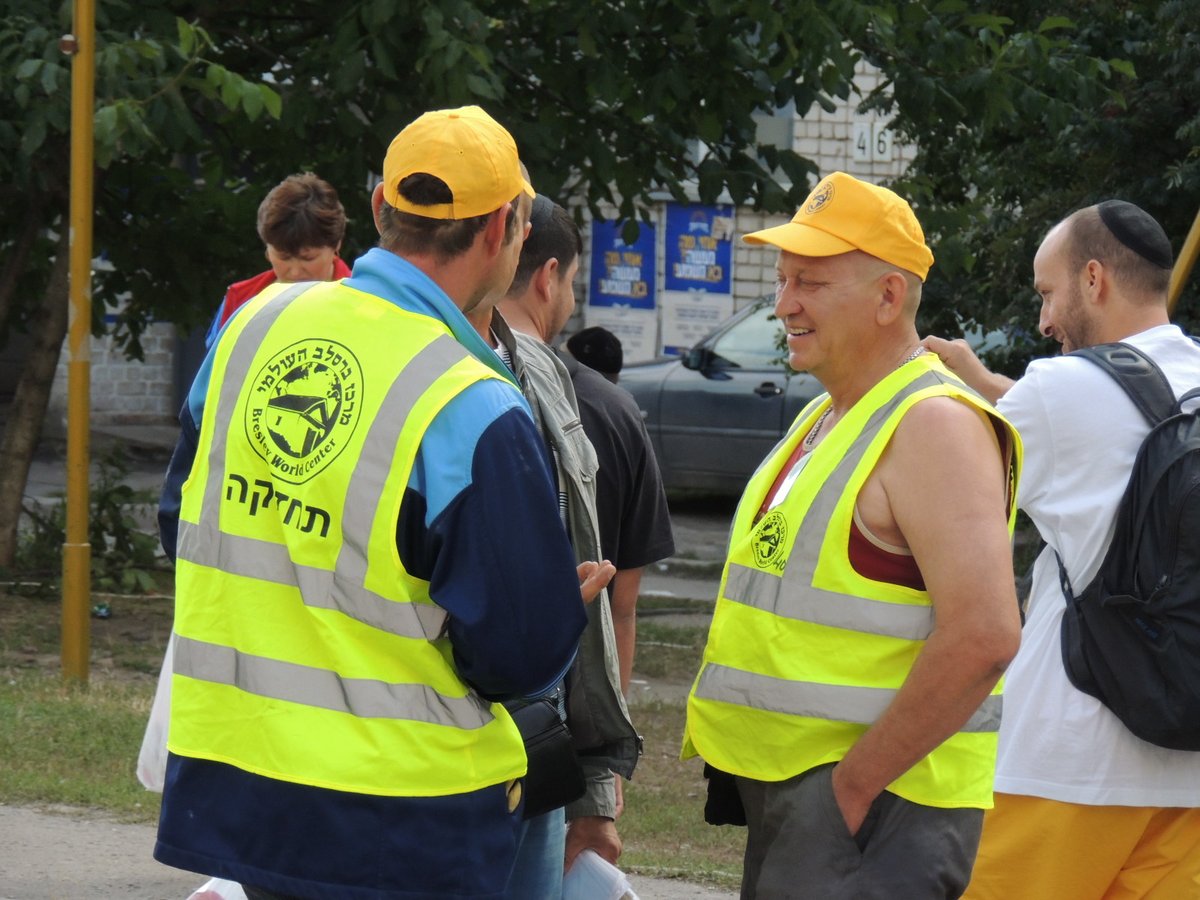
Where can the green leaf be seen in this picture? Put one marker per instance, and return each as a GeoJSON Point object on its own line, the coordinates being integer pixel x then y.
{"type": "Point", "coordinates": [271, 100]}
{"type": "Point", "coordinates": [29, 68]}
{"type": "Point", "coordinates": [252, 100]}
{"type": "Point", "coordinates": [187, 37]}
{"type": "Point", "coordinates": [104, 125]}
{"type": "Point", "coordinates": [34, 136]}
{"type": "Point", "coordinates": [1054, 23]}
{"type": "Point", "coordinates": [1124, 66]}
{"type": "Point", "coordinates": [482, 87]}
{"type": "Point", "coordinates": [231, 94]}
{"type": "Point", "coordinates": [382, 58]}
{"type": "Point", "coordinates": [50, 78]}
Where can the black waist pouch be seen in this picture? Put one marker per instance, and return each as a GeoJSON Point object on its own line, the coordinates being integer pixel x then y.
{"type": "Point", "coordinates": [555, 777]}
{"type": "Point", "coordinates": [723, 805]}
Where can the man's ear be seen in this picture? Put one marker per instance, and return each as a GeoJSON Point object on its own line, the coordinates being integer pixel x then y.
{"type": "Point", "coordinates": [893, 292]}
{"type": "Point", "coordinates": [1093, 280]}
{"type": "Point", "coordinates": [493, 231]}
{"type": "Point", "coordinates": [376, 204]}
{"type": "Point", "coordinates": [545, 278]}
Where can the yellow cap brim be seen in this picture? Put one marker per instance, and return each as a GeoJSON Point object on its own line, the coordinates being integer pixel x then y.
{"type": "Point", "coordinates": [528, 188]}
{"type": "Point", "coordinates": [803, 240]}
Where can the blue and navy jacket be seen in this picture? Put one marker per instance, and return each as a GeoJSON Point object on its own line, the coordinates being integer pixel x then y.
{"type": "Point", "coordinates": [480, 496]}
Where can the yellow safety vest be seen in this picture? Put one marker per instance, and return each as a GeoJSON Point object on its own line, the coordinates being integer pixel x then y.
{"type": "Point", "coordinates": [803, 653]}
{"type": "Point", "coordinates": [306, 652]}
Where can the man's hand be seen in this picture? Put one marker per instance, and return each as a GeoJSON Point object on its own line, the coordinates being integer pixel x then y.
{"type": "Point", "coordinates": [593, 577]}
{"type": "Point", "coordinates": [853, 806]}
{"type": "Point", "coordinates": [597, 833]}
{"type": "Point", "coordinates": [960, 359]}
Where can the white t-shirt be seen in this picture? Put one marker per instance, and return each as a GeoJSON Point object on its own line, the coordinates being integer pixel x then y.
{"type": "Point", "coordinates": [1081, 434]}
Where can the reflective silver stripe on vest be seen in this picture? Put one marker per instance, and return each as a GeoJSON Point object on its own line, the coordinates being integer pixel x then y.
{"type": "Point", "coordinates": [762, 591]}
{"type": "Point", "coordinates": [832, 702]}
{"type": "Point", "coordinates": [792, 595]}
{"type": "Point", "coordinates": [321, 688]}
{"type": "Point", "coordinates": [343, 589]}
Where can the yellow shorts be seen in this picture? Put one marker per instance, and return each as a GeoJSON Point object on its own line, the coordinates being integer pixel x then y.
{"type": "Point", "coordinates": [1037, 849]}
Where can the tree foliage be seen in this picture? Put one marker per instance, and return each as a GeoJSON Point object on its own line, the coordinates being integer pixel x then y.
{"type": "Point", "coordinates": [204, 105]}
{"type": "Point", "coordinates": [1095, 101]}
{"type": "Point", "coordinates": [153, 89]}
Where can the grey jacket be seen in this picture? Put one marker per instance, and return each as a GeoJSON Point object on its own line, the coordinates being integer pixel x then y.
{"type": "Point", "coordinates": [597, 715]}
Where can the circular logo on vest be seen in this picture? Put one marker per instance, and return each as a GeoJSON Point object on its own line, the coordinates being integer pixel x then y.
{"type": "Point", "coordinates": [303, 407]}
{"type": "Point", "coordinates": [769, 538]}
{"type": "Point", "coordinates": [820, 199]}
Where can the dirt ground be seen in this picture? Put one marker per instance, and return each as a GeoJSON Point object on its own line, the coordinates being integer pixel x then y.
{"type": "Point", "coordinates": [126, 646]}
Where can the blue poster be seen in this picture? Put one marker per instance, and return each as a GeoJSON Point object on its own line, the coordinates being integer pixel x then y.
{"type": "Point", "coordinates": [699, 248]}
{"type": "Point", "coordinates": [622, 274]}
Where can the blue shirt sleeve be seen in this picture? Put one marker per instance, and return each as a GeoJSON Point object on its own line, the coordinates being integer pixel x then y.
{"type": "Point", "coordinates": [483, 527]}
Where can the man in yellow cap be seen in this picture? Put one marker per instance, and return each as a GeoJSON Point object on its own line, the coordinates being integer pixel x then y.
{"type": "Point", "coordinates": [849, 687]}
{"type": "Point", "coordinates": [354, 594]}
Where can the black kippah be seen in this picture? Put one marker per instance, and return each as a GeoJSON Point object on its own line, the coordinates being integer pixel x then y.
{"type": "Point", "coordinates": [1137, 230]}
{"type": "Point", "coordinates": [540, 211]}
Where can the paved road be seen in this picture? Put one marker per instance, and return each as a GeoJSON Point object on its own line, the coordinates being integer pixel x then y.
{"type": "Point", "coordinates": [61, 855]}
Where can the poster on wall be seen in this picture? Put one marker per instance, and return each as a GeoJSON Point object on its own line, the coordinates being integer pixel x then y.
{"type": "Point", "coordinates": [699, 248]}
{"type": "Point", "coordinates": [636, 329]}
{"type": "Point", "coordinates": [622, 274]}
{"type": "Point", "coordinates": [690, 316]}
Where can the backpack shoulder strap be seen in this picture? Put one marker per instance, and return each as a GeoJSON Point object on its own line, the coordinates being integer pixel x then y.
{"type": "Point", "coordinates": [1138, 375]}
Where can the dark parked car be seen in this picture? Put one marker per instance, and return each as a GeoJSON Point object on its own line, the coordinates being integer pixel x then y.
{"type": "Point", "coordinates": [714, 413]}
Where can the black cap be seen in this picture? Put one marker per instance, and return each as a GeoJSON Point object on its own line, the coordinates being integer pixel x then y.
{"type": "Point", "coordinates": [597, 348]}
{"type": "Point", "coordinates": [1137, 230]}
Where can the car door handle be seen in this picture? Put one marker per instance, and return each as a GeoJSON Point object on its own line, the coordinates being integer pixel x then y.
{"type": "Point", "coordinates": [768, 389]}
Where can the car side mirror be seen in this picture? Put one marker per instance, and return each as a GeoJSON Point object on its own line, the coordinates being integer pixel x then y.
{"type": "Point", "coordinates": [698, 358]}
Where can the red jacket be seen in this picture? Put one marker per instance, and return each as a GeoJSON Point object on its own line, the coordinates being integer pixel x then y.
{"type": "Point", "coordinates": [241, 291]}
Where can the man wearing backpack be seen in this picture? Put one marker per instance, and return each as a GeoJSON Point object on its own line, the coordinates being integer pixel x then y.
{"type": "Point", "coordinates": [1084, 808]}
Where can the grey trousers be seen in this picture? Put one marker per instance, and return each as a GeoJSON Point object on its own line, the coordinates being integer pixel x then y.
{"type": "Point", "coordinates": [799, 846]}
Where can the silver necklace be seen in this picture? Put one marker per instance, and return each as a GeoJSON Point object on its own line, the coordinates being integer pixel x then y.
{"type": "Point", "coordinates": [811, 437]}
{"type": "Point", "coordinates": [815, 431]}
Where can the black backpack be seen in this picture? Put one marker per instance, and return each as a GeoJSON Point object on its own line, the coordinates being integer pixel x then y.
{"type": "Point", "coordinates": [1131, 638]}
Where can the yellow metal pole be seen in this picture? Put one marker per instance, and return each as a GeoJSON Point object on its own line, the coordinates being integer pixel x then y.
{"type": "Point", "coordinates": [1183, 265]}
{"type": "Point", "coordinates": [77, 552]}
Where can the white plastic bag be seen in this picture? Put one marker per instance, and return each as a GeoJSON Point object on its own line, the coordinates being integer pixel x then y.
{"type": "Point", "coordinates": [594, 878]}
{"type": "Point", "coordinates": [152, 760]}
{"type": "Point", "coordinates": [218, 889]}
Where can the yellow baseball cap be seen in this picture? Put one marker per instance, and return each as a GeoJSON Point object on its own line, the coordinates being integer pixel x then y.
{"type": "Point", "coordinates": [467, 149]}
{"type": "Point", "coordinates": [844, 214]}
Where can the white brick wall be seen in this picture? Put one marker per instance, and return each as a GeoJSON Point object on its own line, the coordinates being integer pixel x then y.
{"type": "Point", "coordinates": [125, 392]}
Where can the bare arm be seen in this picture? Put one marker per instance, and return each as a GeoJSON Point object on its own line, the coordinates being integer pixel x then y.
{"type": "Point", "coordinates": [960, 359]}
{"type": "Point", "coordinates": [624, 596]}
{"type": "Point", "coordinates": [947, 496]}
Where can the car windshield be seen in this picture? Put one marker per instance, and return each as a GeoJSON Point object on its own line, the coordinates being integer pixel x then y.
{"type": "Point", "coordinates": [752, 343]}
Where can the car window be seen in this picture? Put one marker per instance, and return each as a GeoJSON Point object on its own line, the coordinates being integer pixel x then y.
{"type": "Point", "coordinates": [753, 343]}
